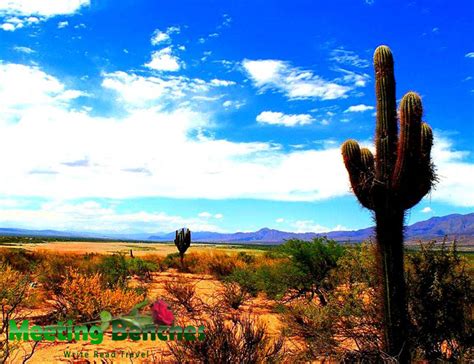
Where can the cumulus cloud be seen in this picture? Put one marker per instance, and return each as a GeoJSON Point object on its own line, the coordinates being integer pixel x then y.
{"type": "Point", "coordinates": [426, 210]}
{"type": "Point", "coordinates": [278, 118]}
{"type": "Point", "coordinates": [298, 84]}
{"type": "Point", "coordinates": [51, 150]}
{"type": "Point", "coordinates": [358, 108]}
{"type": "Point", "coordinates": [18, 13]}
{"type": "Point", "coordinates": [164, 60]}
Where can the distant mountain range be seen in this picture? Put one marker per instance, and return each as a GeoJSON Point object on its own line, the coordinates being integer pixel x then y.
{"type": "Point", "coordinates": [456, 226]}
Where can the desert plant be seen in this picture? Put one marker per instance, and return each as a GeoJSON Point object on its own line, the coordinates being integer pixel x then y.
{"type": "Point", "coordinates": [398, 179]}
{"type": "Point", "coordinates": [242, 341]}
{"type": "Point", "coordinates": [182, 242]}
{"type": "Point", "coordinates": [349, 317]}
{"type": "Point", "coordinates": [114, 270]}
{"type": "Point", "coordinates": [440, 296]}
{"type": "Point", "coordinates": [233, 295]}
{"type": "Point", "coordinates": [14, 288]}
{"type": "Point", "coordinates": [83, 297]}
{"type": "Point", "coordinates": [181, 293]}
{"type": "Point", "coordinates": [313, 261]}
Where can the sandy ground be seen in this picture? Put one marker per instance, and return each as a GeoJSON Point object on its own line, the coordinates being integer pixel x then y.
{"type": "Point", "coordinates": [139, 249]}
{"type": "Point", "coordinates": [153, 351]}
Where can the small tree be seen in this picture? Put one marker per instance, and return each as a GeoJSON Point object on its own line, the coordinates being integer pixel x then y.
{"type": "Point", "coordinates": [313, 261]}
{"type": "Point", "coordinates": [182, 242]}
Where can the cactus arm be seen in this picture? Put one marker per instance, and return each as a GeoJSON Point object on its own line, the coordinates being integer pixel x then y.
{"type": "Point", "coordinates": [425, 177]}
{"type": "Point", "coordinates": [360, 165]}
{"type": "Point", "coordinates": [386, 128]}
{"type": "Point", "coordinates": [409, 144]}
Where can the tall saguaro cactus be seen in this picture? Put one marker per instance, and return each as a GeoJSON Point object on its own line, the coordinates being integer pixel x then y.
{"type": "Point", "coordinates": [182, 242]}
{"type": "Point", "coordinates": [395, 180]}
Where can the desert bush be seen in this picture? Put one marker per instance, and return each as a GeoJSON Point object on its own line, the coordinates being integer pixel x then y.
{"type": "Point", "coordinates": [221, 265]}
{"type": "Point", "coordinates": [245, 257]}
{"type": "Point", "coordinates": [314, 260]}
{"type": "Point", "coordinates": [440, 297]}
{"type": "Point", "coordinates": [20, 260]}
{"type": "Point", "coordinates": [350, 315]}
{"type": "Point", "coordinates": [243, 340]}
{"type": "Point", "coordinates": [83, 297]}
{"type": "Point", "coordinates": [114, 270]}
{"type": "Point", "coordinates": [52, 270]}
{"type": "Point", "coordinates": [142, 268]}
{"type": "Point", "coordinates": [246, 278]}
{"type": "Point", "coordinates": [233, 295]}
{"type": "Point", "coordinates": [192, 264]}
{"type": "Point", "coordinates": [14, 295]}
{"type": "Point", "coordinates": [181, 293]}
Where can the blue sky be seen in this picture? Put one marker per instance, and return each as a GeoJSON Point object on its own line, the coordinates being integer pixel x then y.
{"type": "Point", "coordinates": [133, 116]}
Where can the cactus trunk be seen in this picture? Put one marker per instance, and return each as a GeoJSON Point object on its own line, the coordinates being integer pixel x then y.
{"type": "Point", "coordinates": [389, 236]}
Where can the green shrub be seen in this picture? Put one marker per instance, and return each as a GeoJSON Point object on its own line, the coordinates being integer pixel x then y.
{"type": "Point", "coordinates": [314, 260]}
{"type": "Point", "coordinates": [142, 268]}
{"type": "Point", "coordinates": [114, 270]}
{"type": "Point", "coordinates": [246, 278]}
{"type": "Point", "coordinates": [440, 297]}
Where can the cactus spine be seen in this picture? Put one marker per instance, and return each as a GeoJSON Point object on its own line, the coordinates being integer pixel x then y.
{"type": "Point", "coordinates": [182, 242]}
{"type": "Point", "coordinates": [395, 180]}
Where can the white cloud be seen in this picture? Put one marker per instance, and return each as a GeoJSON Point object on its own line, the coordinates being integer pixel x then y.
{"type": "Point", "coordinates": [208, 215]}
{"type": "Point", "coordinates": [164, 60]}
{"type": "Point", "coordinates": [280, 220]}
{"type": "Point", "coordinates": [426, 210]}
{"type": "Point", "coordinates": [93, 216]}
{"type": "Point", "coordinates": [45, 8]}
{"type": "Point", "coordinates": [159, 37]}
{"type": "Point", "coordinates": [309, 226]}
{"type": "Point", "coordinates": [50, 150]}
{"type": "Point", "coordinates": [43, 90]}
{"type": "Point", "coordinates": [233, 104]}
{"type": "Point", "coordinates": [358, 108]}
{"type": "Point", "coordinates": [63, 24]}
{"type": "Point", "coordinates": [278, 118]}
{"type": "Point", "coordinates": [224, 83]}
{"type": "Point", "coordinates": [140, 91]}
{"type": "Point", "coordinates": [23, 49]}
{"type": "Point", "coordinates": [455, 173]}
{"type": "Point", "coordinates": [8, 27]}
{"type": "Point", "coordinates": [296, 83]}
{"type": "Point", "coordinates": [470, 55]}
{"type": "Point", "coordinates": [343, 56]}
{"type": "Point", "coordinates": [18, 13]}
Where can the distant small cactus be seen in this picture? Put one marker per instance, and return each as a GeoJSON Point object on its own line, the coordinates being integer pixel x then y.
{"type": "Point", "coordinates": [182, 242]}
